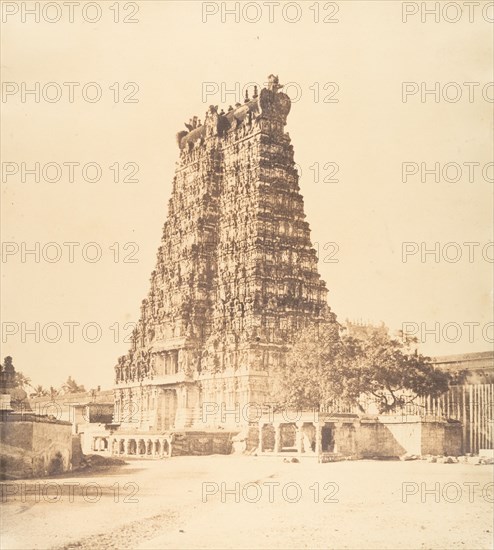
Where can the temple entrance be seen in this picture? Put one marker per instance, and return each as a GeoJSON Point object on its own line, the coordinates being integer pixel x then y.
{"type": "Point", "coordinates": [171, 410]}
{"type": "Point", "coordinates": [167, 409]}
{"type": "Point", "coordinates": [327, 438]}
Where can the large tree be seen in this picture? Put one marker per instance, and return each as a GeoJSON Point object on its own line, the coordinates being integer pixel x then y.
{"type": "Point", "coordinates": [326, 368]}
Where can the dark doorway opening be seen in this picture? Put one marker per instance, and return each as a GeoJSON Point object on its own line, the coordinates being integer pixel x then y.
{"type": "Point", "coordinates": [327, 438]}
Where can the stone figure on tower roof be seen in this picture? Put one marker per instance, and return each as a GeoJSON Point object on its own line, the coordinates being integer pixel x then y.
{"type": "Point", "coordinates": [274, 83]}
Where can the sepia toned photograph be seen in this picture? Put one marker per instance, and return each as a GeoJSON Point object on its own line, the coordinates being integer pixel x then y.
{"type": "Point", "coordinates": [246, 277]}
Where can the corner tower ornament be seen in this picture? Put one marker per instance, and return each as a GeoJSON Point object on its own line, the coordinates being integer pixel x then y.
{"type": "Point", "coordinates": [272, 103]}
{"type": "Point", "coordinates": [236, 275]}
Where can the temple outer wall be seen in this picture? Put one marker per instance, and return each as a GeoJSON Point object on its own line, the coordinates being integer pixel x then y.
{"type": "Point", "coordinates": [35, 448]}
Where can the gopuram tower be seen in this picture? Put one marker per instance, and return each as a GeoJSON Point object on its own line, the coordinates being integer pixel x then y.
{"type": "Point", "coordinates": [236, 275]}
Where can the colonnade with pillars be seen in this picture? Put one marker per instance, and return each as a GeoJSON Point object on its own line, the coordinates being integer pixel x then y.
{"type": "Point", "coordinates": [138, 446]}
{"type": "Point", "coordinates": [303, 436]}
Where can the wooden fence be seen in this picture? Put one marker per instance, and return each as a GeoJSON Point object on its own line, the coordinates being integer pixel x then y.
{"type": "Point", "coordinates": [472, 405]}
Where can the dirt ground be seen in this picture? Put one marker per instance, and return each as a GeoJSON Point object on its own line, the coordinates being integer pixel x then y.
{"type": "Point", "coordinates": [251, 502]}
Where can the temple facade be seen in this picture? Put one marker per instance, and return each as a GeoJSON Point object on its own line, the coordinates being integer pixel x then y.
{"type": "Point", "coordinates": [236, 275]}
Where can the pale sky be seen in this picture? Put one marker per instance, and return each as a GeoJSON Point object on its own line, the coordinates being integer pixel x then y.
{"type": "Point", "coordinates": [170, 53]}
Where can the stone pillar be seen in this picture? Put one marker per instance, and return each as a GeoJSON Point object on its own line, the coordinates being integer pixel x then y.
{"type": "Point", "coordinates": [116, 410]}
{"type": "Point", "coordinates": [299, 437]}
{"type": "Point", "coordinates": [277, 437]}
{"type": "Point", "coordinates": [337, 428]}
{"type": "Point", "coordinates": [141, 404]}
{"type": "Point", "coordinates": [261, 425]}
{"type": "Point", "coordinates": [318, 437]}
{"type": "Point", "coordinates": [166, 448]}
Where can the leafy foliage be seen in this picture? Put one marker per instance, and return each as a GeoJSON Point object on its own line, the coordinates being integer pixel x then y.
{"type": "Point", "coordinates": [326, 367]}
{"type": "Point", "coordinates": [39, 391]}
{"type": "Point", "coordinates": [21, 380]}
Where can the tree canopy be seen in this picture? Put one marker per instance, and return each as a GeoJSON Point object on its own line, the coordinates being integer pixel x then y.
{"type": "Point", "coordinates": [326, 367]}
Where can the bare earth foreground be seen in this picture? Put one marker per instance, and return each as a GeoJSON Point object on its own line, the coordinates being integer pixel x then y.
{"type": "Point", "coordinates": [181, 503]}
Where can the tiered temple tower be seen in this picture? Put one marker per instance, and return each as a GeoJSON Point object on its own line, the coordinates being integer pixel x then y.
{"type": "Point", "coordinates": [236, 275]}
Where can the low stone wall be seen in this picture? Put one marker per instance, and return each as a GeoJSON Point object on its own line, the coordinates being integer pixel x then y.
{"type": "Point", "coordinates": [189, 443]}
{"type": "Point", "coordinates": [34, 447]}
{"type": "Point", "coordinates": [453, 439]}
{"type": "Point", "coordinates": [393, 439]}
{"type": "Point", "coordinates": [442, 438]}
{"type": "Point", "coordinates": [346, 439]}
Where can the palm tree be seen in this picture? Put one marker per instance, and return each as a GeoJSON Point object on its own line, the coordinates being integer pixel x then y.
{"type": "Point", "coordinates": [21, 380]}
{"type": "Point", "coordinates": [71, 386]}
{"type": "Point", "coordinates": [39, 391]}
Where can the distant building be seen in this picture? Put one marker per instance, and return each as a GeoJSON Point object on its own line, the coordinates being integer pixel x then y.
{"type": "Point", "coordinates": [470, 398]}
{"type": "Point", "coordinates": [468, 368]}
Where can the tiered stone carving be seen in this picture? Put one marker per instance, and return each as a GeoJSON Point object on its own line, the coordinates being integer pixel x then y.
{"type": "Point", "coordinates": [236, 274]}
